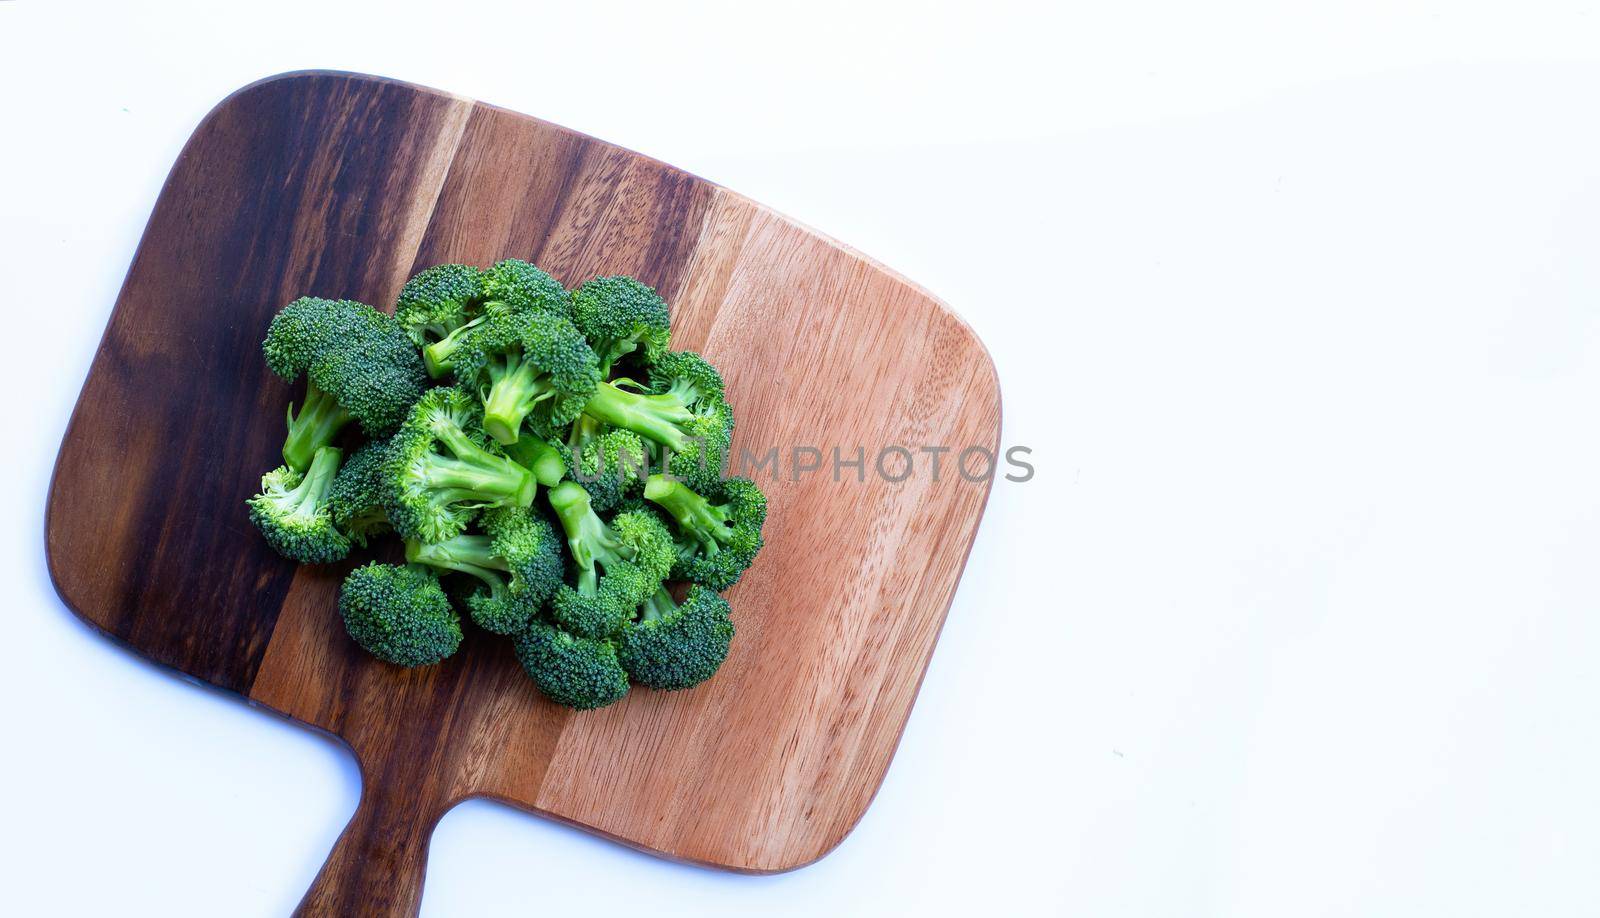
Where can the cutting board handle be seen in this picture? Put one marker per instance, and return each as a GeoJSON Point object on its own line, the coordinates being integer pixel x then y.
{"type": "Point", "coordinates": [378, 864]}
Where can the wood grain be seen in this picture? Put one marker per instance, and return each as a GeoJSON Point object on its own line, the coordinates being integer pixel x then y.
{"type": "Point", "coordinates": [341, 185]}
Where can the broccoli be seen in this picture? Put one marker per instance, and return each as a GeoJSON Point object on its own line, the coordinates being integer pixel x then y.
{"type": "Point", "coordinates": [511, 286]}
{"type": "Point", "coordinates": [292, 511]}
{"type": "Point", "coordinates": [621, 316]}
{"type": "Point", "coordinates": [437, 303]}
{"type": "Point", "coordinates": [676, 646]}
{"type": "Point", "coordinates": [618, 564]}
{"type": "Point", "coordinates": [297, 335]}
{"type": "Point", "coordinates": [359, 365]}
{"type": "Point", "coordinates": [684, 412]}
{"type": "Point", "coordinates": [355, 500]}
{"type": "Point", "coordinates": [611, 466]}
{"type": "Point", "coordinates": [547, 461]}
{"type": "Point", "coordinates": [439, 472]}
{"type": "Point", "coordinates": [514, 285]}
{"type": "Point", "coordinates": [685, 377]}
{"type": "Point", "coordinates": [539, 393]}
{"type": "Point", "coordinates": [527, 363]}
{"type": "Point", "coordinates": [399, 613]}
{"type": "Point", "coordinates": [719, 532]}
{"type": "Point", "coordinates": [578, 672]}
{"type": "Point", "coordinates": [520, 543]}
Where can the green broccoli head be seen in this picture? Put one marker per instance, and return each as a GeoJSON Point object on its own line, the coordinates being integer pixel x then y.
{"type": "Point", "coordinates": [676, 646]}
{"type": "Point", "coordinates": [400, 614]}
{"type": "Point", "coordinates": [355, 501]}
{"type": "Point", "coordinates": [527, 366]}
{"type": "Point", "coordinates": [621, 316]}
{"type": "Point", "coordinates": [693, 447]}
{"type": "Point", "coordinates": [603, 612]}
{"type": "Point", "coordinates": [359, 365]}
{"type": "Point", "coordinates": [438, 301]}
{"type": "Point", "coordinates": [292, 511]}
{"type": "Point", "coordinates": [618, 564]}
{"type": "Point", "coordinates": [517, 563]}
{"type": "Point", "coordinates": [718, 531]}
{"type": "Point", "coordinates": [703, 455]}
{"type": "Point", "coordinates": [297, 337]}
{"type": "Point", "coordinates": [492, 606]}
{"type": "Point", "coordinates": [440, 471]}
{"type": "Point", "coordinates": [684, 414]}
{"type": "Point", "coordinates": [531, 549]}
{"type": "Point", "coordinates": [611, 466]}
{"type": "Point", "coordinates": [644, 539]}
{"type": "Point", "coordinates": [578, 672]}
{"type": "Point", "coordinates": [513, 285]}
{"type": "Point", "coordinates": [687, 377]}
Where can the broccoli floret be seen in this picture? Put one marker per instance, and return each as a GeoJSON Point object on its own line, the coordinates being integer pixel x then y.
{"type": "Point", "coordinates": [621, 316]}
{"type": "Point", "coordinates": [684, 413]}
{"type": "Point", "coordinates": [687, 377]}
{"type": "Point", "coordinates": [611, 467]}
{"type": "Point", "coordinates": [518, 563]}
{"type": "Point", "coordinates": [292, 511]}
{"type": "Point", "coordinates": [703, 458]}
{"type": "Point", "coordinates": [514, 285]}
{"type": "Point", "coordinates": [618, 564]}
{"type": "Point", "coordinates": [436, 303]}
{"type": "Point", "coordinates": [359, 365]}
{"type": "Point", "coordinates": [440, 472]}
{"type": "Point", "coordinates": [399, 613]}
{"type": "Point", "coordinates": [718, 532]}
{"type": "Point", "coordinates": [603, 612]}
{"type": "Point", "coordinates": [676, 646]}
{"type": "Point", "coordinates": [528, 542]}
{"type": "Point", "coordinates": [547, 461]}
{"type": "Point", "coordinates": [578, 672]}
{"type": "Point", "coordinates": [511, 286]}
{"type": "Point", "coordinates": [527, 364]}
{"type": "Point", "coordinates": [296, 337]}
{"type": "Point", "coordinates": [355, 500]}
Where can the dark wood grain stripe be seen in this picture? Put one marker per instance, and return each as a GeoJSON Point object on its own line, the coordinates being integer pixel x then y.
{"type": "Point", "coordinates": [290, 186]}
{"type": "Point", "coordinates": [522, 188]}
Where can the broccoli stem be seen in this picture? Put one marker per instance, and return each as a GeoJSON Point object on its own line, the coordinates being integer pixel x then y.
{"type": "Point", "coordinates": [312, 492]}
{"type": "Point", "coordinates": [473, 473]}
{"type": "Point", "coordinates": [695, 515]}
{"type": "Point", "coordinates": [439, 357]}
{"type": "Point", "coordinates": [655, 417]}
{"type": "Point", "coordinates": [588, 536]}
{"type": "Point", "coordinates": [466, 554]}
{"type": "Point", "coordinates": [516, 387]}
{"type": "Point", "coordinates": [615, 351]}
{"type": "Point", "coordinates": [659, 605]}
{"type": "Point", "coordinates": [682, 390]}
{"type": "Point", "coordinates": [319, 421]}
{"type": "Point", "coordinates": [583, 429]}
{"type": "Point", "coordinates": [459, 480]}
{"type": "Point", "coordinates": [540, 458]}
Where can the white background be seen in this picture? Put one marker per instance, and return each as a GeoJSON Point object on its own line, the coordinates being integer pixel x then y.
{"type": "Point", "coordinates": [1296, 305]}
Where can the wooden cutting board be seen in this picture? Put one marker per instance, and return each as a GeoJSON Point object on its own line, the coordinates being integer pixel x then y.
{"type": "Point", "coordinates": [342, 185]}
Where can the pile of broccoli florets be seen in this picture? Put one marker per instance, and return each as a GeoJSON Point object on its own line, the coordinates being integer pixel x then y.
{"type": "Point", "coordinates": [444, 422]}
